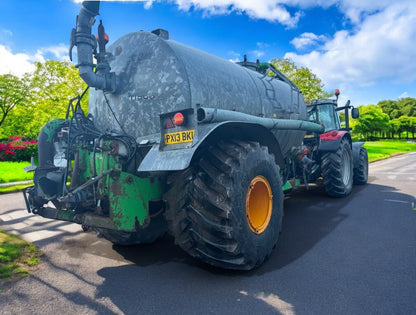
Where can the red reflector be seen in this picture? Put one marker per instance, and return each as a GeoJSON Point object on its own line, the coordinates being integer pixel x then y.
{"type": "Point", "coordinates": [106, 37]}
{"type": "Point", "coordinates": [169, 124]}
{"type": "Point", "coordinates": [178, 119]}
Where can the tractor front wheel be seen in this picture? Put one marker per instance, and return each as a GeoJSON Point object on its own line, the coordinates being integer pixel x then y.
{"type": "Point", "coordinates": [361, 168]}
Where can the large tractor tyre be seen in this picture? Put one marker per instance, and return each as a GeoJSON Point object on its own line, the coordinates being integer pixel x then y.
{"type": "Point", "coordinates": [337, 170]}
{"type": "Point", "coordinates": [227, 208]}
{"type": "Point", "coordinates": [361, 168]}
{"type": "Point", "coordinates": [156, 229]}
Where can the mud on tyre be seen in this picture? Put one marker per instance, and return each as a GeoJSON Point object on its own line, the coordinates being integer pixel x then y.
{"type": "Point", "coordinates": [227, 208]}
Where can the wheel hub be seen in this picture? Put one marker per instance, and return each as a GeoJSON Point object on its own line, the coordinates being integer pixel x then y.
{"type": "Point", "coordinates": [259, 204]}
{"type": "Point", "coordinates": [346, 169]}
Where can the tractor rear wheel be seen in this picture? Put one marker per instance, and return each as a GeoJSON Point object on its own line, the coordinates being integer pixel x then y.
{"type": "Point", "coordinates": [361, 169]}
{"type": "Point", "coordinates": [337, 170]}
{"type": "Point", "coordinates": [227, 208]}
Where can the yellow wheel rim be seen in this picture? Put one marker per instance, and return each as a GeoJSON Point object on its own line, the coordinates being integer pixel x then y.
{"type": "Point", "coordinates": [259, 204]}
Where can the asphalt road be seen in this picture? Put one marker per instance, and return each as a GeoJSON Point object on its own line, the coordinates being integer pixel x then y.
{"type": "Point", "coordinates": [355, 255]}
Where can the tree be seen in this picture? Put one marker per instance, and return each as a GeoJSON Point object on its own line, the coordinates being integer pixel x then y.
{"type": "Point", "coordinates": [407, 106]}
{"type": "Point", "coordinates": [391, 108]}
{"type": "Point", "coordinates": [394, 127]}
{"type": "Point", "coordinates": [372, 121]}
{"type": "Point", "coordinates": [13, 92]}
{"type": "Point", "coordinates": [408, 124]}
{"type": "Point", "coordinates": [413, 126]}
{"type": "Point", "coordinates": [310, 85]}
{"type": "Point", "coordinates": [50, 87]}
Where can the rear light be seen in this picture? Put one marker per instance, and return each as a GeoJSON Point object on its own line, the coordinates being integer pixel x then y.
{"type": "Point", "coordinates": [179, 119]}
{"type": "Point", "coordinates": [169, 123]}
{"type": "Point", "coordinates": [176, 119]}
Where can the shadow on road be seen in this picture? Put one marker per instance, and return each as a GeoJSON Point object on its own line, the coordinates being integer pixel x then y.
{"type": "Point", "coordinates": [310, 215]}
{"type": "Point", "coordinates": [161, 274]}
{"type": "Point", "coordinates": [162, 251]}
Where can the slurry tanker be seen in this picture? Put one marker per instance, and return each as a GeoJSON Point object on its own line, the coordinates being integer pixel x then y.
{"type": "Point", "coordinates": [180, 141]}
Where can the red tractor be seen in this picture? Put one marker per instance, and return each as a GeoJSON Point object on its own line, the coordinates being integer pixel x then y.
{"type": "Point", "coordinates": [332, 154]}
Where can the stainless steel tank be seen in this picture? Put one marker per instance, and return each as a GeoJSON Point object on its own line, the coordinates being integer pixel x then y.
{"type": "Point", "coordinates": [156, 75]}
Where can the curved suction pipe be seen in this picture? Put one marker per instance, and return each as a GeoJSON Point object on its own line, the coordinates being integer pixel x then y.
{"type": "Point", "coordinates": [86, 47]}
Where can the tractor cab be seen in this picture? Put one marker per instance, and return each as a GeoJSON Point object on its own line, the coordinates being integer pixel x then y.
{"type": "Point", "coordinates": [324, 112]}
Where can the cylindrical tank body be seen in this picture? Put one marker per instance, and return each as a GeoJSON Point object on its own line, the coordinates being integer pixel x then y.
{"type": "Point", "coordinates": [158, 76]}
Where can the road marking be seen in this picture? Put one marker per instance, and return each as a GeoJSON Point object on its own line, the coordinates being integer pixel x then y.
{"type": "Point", "coordinates": [399, 201]}
{"type": "Point", "coordinates": [390, 173]}
{"type": "Point", "coordinates": [277, 303]}
{"type": "Point", "coordinates": [412, 204]}
{"type": "Point", "coordinates": [274, 301]}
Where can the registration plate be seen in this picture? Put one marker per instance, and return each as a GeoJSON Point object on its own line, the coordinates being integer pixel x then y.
{"type": "Point", "coordinates": [179, 137]}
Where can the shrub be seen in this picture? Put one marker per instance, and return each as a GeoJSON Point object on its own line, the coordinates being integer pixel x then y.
{"type": "Point", "coordinates": [17, 149]}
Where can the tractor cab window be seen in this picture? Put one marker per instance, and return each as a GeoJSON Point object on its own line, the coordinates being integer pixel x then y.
{"type": "Point", "coordinates": [326, 116]}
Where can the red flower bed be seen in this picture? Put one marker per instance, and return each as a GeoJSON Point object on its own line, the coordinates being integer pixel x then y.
{"type": "Point", "coordinates": [17, 148]}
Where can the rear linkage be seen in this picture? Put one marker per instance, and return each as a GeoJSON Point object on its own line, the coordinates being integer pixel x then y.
{"type": "Point", "coordinates": [62, 177]}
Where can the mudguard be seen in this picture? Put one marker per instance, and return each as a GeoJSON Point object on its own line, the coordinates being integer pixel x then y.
{"type": "Point", "coordinates": [331, 140]}
{"type": "Point", "coordinates": [159, 159]}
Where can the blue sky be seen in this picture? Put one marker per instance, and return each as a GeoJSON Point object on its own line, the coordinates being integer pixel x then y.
{"type": "Point", "coordinates": [367, 49]}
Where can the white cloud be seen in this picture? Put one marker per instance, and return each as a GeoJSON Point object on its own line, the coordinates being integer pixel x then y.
{"type": "Point", "coordinates": [234, 56]}
{"type": "Point", "coordinates": [17, 64]}
{"type": "Point", "coordinates": [354, 10]}
{"type": "Point", "coordinates": [79, 1]}
{"type": "Point", "coordinates": [307, 40]}
{"type": "Point", "coordinates": [357, 10]}
{"type": "Point", "coordinates": [21, 63]}
{"type": "Point", "coordinates": [270, 10]}
{"type": "Point", "coordinates": [148, 5]}
{"type": "Point", "coordinates": [58, 52]}
{"type": "Point", "coordinates": [403, 95]}
{"type": "Point", "coordinates": [259, 51]}
{"type": "Point", "coordinates": [381, 47]}
{"type": "Point", "coordinates": [277, 10]}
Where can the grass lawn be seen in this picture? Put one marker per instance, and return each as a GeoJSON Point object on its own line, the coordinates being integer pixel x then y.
{"type": "Point", "coordinates": [14, 188]}
{"type": "Point", "coordinates": [379, 150]}
{"type": "Point", "coordinates": [13, 172]}
{"type": "Point", "coordinates": [17, 257]}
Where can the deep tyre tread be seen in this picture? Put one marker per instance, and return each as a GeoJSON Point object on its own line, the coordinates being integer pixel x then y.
{"type": "Point", "coordinates": [155, 230]}
{"type": "Point", "coordinates": [361, 169]}
{"type": "Point", "coordinates": [337, 170]}
{"type": "Point", "coordinates": [207, 214]}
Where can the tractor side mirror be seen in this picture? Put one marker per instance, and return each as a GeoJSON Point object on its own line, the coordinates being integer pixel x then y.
{"type": "Point", "coordinates": [355, 113]}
